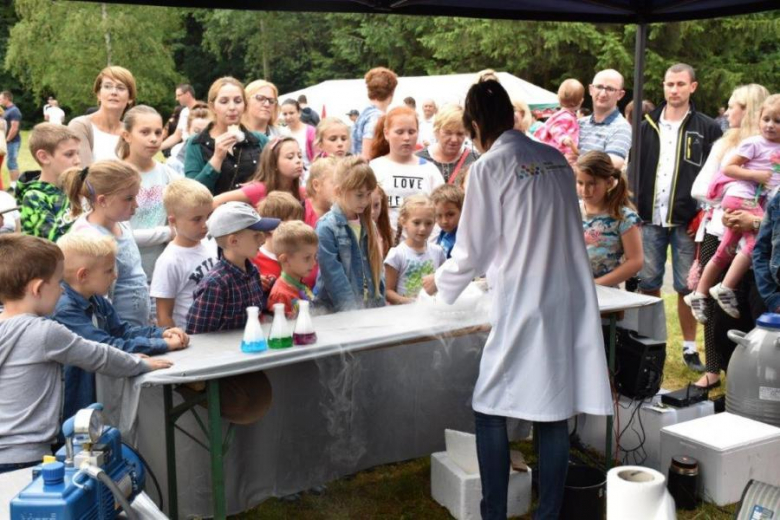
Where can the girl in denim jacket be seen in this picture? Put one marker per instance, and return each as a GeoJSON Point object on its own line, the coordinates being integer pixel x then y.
{"type": "Point", "coordinates": [351, 271]}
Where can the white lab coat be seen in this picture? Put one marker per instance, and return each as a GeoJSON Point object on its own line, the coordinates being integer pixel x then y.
{"type": "Point", "coordinates": [544, 359]}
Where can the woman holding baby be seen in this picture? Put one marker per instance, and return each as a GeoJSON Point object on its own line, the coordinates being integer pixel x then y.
{"type": "Point", "coordinates": [225, 155]}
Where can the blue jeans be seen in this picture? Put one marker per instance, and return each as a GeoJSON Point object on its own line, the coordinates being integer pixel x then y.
{"type": "Point", "coordinates": [655, 243]}
{"type": "Point", "coordinates": [12, 155]}
{"type": "Point", "coordinates": [13, 466]}
{"type": "Point", "coordinates": [552, 441]}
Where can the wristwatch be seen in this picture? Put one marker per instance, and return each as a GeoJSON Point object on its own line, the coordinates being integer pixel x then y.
{"type": "Point", "coordinates": [756, 224]}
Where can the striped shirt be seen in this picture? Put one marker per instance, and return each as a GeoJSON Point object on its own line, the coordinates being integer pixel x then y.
{"type": "Point", "coordinates": [613, 135]}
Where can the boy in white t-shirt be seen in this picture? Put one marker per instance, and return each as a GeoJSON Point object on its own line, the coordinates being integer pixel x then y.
{"type": "Point", "coordinates": [188, 257]}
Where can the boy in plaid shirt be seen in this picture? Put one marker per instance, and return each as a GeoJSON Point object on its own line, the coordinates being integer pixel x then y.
{"type": "Point", "coordinates": [233, 284]}
{"type": "Point", "coordinates": [221, 299]}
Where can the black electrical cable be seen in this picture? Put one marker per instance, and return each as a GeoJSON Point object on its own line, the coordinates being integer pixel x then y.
{"type": "Point", "coordinates": [149, 469]}
{"type": "Point", "coordinates": [118, 495]}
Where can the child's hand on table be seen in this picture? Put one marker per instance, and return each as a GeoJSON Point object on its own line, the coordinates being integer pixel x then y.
{"type": "Point", "coordinates": [176, 339]}
{"type": "Point", "coordinates": [157, 363]}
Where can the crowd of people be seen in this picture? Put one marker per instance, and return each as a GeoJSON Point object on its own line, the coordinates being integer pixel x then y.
{"type": "Point", "coordinates": [260, 202]}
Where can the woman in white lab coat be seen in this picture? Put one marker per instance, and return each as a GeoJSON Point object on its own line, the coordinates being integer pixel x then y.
{"type": "Point", "coordinates": [544, 359]}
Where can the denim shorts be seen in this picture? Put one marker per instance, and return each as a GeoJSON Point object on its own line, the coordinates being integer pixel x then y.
{"type": "Point", "coordinates": [12, 155]}
{"type": "Point", "coordinates": [655, 243]}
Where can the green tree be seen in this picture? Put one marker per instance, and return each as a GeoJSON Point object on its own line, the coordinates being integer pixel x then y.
{"type": "Point", "coordinates": [59, 47]}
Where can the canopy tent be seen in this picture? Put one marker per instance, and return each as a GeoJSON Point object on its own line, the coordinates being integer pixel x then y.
{"type": "Point", "coordinates": [339, 96]}
{"type": "Point", "coordinates": [610, 11]}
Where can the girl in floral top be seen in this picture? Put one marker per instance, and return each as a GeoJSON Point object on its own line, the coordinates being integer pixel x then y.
{"type": "Point", "coordinates": [610, 224]}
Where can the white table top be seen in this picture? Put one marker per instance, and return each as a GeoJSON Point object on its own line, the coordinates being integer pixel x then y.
{"type": "Point", "coordinates": [219, 354]}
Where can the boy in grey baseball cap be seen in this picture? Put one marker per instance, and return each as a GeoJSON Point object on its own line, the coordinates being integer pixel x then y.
{"type": "Point", "coordinates": [221, 298]}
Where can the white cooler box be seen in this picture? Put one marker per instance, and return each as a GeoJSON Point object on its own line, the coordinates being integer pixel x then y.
{"type": "Point", "coordinates": [730, 449]}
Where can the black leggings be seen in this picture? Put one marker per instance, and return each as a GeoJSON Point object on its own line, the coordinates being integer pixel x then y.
{"type": "Point", "coordinates": [717, 347]}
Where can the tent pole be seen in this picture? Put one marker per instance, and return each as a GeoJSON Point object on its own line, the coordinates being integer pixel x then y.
{"type": "Point", "coordinates": [636, 117]}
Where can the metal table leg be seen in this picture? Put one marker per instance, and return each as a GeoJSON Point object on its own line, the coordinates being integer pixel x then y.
{"type": "Point", "coordinates": [612, 341]}
{"type": "Point", "coordinates": [216, 449]}
{"type": "Point", "coordinates": [170, 451]}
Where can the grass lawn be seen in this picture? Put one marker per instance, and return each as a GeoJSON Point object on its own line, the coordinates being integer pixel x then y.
{"type": "Point", "coordinates": [403, 490]}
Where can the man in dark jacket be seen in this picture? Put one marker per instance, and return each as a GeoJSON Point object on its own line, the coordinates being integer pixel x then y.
{"type": "Point", "coordinates": [676, 140]}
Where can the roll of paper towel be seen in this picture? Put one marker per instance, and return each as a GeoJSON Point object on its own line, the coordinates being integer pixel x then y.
{"type": "Point", "coordinates": [637, 493]}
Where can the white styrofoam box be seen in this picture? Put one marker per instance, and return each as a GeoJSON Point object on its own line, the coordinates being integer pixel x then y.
{"type": "Point", "coordinates": [462, 450]}
{"type": "Point", "coordinates": [461, 492]}
{"type": "Point", "coordinates": [592, 428]}
{"type": "Point", "coordinates": [730, 449]}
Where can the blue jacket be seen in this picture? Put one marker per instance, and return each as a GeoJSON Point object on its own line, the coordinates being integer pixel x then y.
{"type": "Point", "coordinates": [345, 271]}
{"type": "Point", "coordinates": [96, 319]}
{"type": "Point", "coordinates": [766, 256]}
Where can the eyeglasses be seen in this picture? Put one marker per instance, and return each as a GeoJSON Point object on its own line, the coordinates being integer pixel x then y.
{"type": "Point", "coordinates": [110, 86]}
{"type": "Point", "coordinates": [264, 100]}
{"type": "Point", "coordinates": [605, 88]}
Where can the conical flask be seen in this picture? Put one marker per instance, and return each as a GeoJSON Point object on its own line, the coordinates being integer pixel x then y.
{"type": "Point", "coordinates": [304, 328]}
{"type": "Point", "coordinates": [280, 336]}
{"type": "Point", "coordinates": [254, 340]}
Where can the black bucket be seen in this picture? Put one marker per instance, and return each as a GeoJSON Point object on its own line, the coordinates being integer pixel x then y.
{"type": "Point", "coordinates": [585, 494]}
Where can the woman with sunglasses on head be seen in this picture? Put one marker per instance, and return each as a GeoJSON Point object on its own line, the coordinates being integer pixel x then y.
{"type": "Point", "coordinates": [99, 132]}
{"type": "Point", "coordinates": [225, 155]}
{"type": "Point", "coordinates": [262, 108]}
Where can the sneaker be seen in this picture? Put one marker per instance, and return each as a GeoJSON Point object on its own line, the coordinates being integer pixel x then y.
{"type": "Point", "coordinates": [693, 362]}
{"type": "Point", "coordinates": [726, 298]}
{"type": "Point", "coordinates": [698, 304]}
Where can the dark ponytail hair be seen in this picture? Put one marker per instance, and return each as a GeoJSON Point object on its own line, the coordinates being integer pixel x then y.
{"type": "Point", "coordinates": [599, 165]}
{"type": "Point", "coordinates": [489, 108]}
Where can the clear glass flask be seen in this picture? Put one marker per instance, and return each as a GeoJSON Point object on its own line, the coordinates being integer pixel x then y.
{"type": "Point", "coordinates": [304, 333]}
{"type": "Point", "coordinates": [254, 340]}
{"type": "Point", "coordinates": [280, 336]}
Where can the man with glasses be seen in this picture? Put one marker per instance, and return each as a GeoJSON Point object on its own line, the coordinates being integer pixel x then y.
{"type": "Point", "coordinates": [675, 143]}
{"type": "Point", "coordinates": [606, 130]}
{"type": "Point", "coordinates": [185, 95]}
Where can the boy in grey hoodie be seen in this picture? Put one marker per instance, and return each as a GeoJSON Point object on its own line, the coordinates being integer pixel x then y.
{"type": "Point", "coordinates": [33, 350]}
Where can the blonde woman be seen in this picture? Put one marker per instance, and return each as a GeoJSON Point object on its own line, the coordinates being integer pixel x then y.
{"type": "Point", "coordinates": [262, 108]}
{"type": "Point", "coordinates": [449, 153]}
{"type": "Point", "coordinates": [225, 155]}
{"type": "Point", "coordinates": [742, 114]}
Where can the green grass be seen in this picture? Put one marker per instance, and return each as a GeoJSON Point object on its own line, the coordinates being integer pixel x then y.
{"type": "Point", "coordinates": [403, 490]}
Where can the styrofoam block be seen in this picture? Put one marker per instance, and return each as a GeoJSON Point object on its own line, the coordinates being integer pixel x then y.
{"type": "Point", "coordinates": [731, 451]}
{"type": "Point", "coordinates": [462, 450]}
{"type": "Point", "coordinates": [461, 492]}
{"type": "Point", "coordinates": [592, 428]}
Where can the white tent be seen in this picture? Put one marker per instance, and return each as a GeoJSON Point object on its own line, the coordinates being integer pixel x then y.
{"type": "Point", "coordinates": [339, 96]}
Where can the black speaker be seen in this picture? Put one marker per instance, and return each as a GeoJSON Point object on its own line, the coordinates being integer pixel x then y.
{"type": "Point", "coordinates": [639, 363]}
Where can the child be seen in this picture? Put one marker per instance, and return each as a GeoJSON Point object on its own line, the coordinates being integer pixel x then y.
{"type": "Point", "coordinates": [282, 206]}
{"type": "Point", "coordinates": [139, 143]}
{"type": "Point", "coordinates": [332, 138]}
{"type": "Point", "coordinates": [350, 260]}
{"type": "Point", "coordinates": [197, 122]}
{"type": "Point", "coordinates": [380, 213]}
{"type": "Point", "coordinates": [296, 248]}
{"type": "Point", "coordinates": [561, 130]}
{"type": "Point", "coordinates": [613, 237]}
{"type": "Point", "coordinates": [398, 170]}
{"type": "Point", "coordinates": [280, 169]}
{"type": "Point", "coordinates": [110, 188]}
{"type": "Point", "coordinates": [233, 284]}
{"type": "Point", "coordinates": [411, 260]}
{"type": "Point", "coordinates": [33, 348]}
{"type": "Point", "coordinates": [45, 209]}
{"type": "Point", "coordinates": [757, 164]}
{"type": "Point", "coordinates": [319, 189]}
{"type": "Point", "coordinates": [448, 201]}
{"type": "Point", "coordinates": [221, 299]}
{"type": "Point", "coordinates": [188, 257]}
{"type": "Point", "coordinates": [88, 274]}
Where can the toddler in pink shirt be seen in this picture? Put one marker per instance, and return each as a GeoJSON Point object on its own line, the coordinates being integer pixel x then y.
{"type": "Point", "coordinates": [561, 130]}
